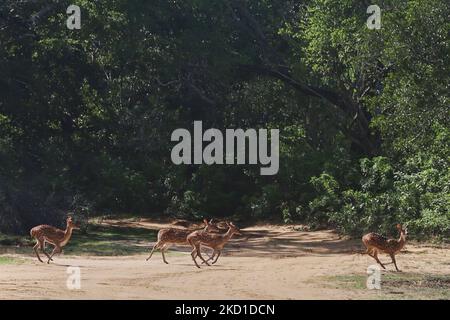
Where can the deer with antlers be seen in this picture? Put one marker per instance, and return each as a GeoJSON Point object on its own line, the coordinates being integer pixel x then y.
{"type": "Point", "coordinates": [49, 234]}
{"type": "Point", "coordinates": [170, 236]}
{"type": "Point", "coordinates": [214, 241]}
{"type": "Point", "coordinates": [376, 243]}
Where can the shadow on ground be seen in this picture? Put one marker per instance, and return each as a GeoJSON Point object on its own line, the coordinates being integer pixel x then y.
{"type": "Point", "coordinates": [137, 236]}
{"type": "Point", "coordinates": [282, 243]}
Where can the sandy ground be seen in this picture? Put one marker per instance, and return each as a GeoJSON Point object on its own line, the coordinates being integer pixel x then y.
{"type": "Point", "coordinates": [267, 262]}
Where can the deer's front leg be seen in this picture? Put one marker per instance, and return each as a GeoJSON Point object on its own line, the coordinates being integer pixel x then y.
{"type": "Point", "coordinates": [217, 258]}
{"type": "Point", "coordinates": [395, 263]}
{"type": "Point", "coordinates": [211, 257]}
{"type": "Point", "coordinates": [57, 249]}
{"type": "Point", "coordinates": [45, 252]}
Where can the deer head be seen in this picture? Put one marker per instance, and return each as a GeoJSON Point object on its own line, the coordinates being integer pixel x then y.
{"type": "Point", "coordinates": [233, 229]}
{"type": "Point", "coordinates": [70, 224]}
{"type": "Point", "coordinates": [210, 226]}
{"type": "Point", "coordinates": [403, 231]}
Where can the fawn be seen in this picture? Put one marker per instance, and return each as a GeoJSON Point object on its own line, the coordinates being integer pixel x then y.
{"type": "Point", "coordinates": [48, 234]}
{"type": "Point", "coordinates": [168, 237]}
{"type": "Point", "coordinates": [377, 243]}
{"type": "Point", "coordinates": [212, 240]}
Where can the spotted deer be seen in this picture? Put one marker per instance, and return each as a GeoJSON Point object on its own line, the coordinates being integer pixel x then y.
{"type": "Point", "coordinates": [214, 241]}
{"type": "Point", "coordinates": [376, 243]}
{"type": "Point", "coordinates": [171, 236]}
{"type": "Point", "coordinates": [48, 234]}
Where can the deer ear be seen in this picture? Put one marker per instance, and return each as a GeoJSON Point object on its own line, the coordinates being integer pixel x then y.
{"type": "Point", "coordinates": [205, 221]}
{"type": "Point", "coordinates": [211, 220]}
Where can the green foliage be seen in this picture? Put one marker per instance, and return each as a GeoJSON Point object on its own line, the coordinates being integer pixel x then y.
{"type": "Point", "coordinates": [418, 198]}
{"type": "Point", "coordinates": [10, 260]}
{"type": "Point", "coordinates": [86, 115]}
{"type": "Point", "coordinates": [104, 240]}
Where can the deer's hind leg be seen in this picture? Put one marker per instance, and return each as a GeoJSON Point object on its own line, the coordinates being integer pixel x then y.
{"type": "Point", "coordinates": [194, 251]}
{"type": "Point", "coordinates": [156, 246]}
{"type": "Point", "coordinates": [217, 257]}
{"type": "Point", "coordinates": [45, 252]}
{"type": "Point", "coordinates": [375, 256]}
{"type": "Point", "coordinates": [198, 249]}
{"type": "Point", "coordinates": [56, 249]}
{"type": "Point", "coordinates": [212, 256]}
{"type": "Point", "coordinates": [369, 251]}
{"type": "Point", "coordinates": [39, 245]}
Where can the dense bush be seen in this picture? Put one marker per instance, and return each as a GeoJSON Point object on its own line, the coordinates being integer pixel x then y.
{"type": "Point", "coordinates": [417, 195]}
{"type": "Point", "coordinates": [86, 116]}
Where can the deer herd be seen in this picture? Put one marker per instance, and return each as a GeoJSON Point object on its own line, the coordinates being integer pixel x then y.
{"type": "Point", "coordinates": [210, 236]}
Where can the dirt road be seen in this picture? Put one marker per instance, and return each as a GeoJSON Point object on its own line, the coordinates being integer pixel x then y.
{"type": "Point", "coordinates": [267, 262]}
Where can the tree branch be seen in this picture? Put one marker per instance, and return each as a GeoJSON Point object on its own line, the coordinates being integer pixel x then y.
{"type": "Point", "coordinates": [272, 66]}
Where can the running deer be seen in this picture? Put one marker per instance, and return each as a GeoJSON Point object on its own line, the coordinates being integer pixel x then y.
{"type": "Point", "coordinates": [214, 241]}
{"type": "Point", "coordinates": [168, 237]}
{"type": "Point", "coordinates": [48, 234]}
{"type": "Point", "coordinates": [376, 243]}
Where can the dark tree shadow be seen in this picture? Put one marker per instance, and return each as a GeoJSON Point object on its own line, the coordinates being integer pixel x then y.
{"type": "Point", "coordinates": [284, 244]}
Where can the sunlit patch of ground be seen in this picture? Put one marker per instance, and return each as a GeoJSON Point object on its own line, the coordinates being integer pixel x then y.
{"type": "Point", "coordinates": [266, 262]}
